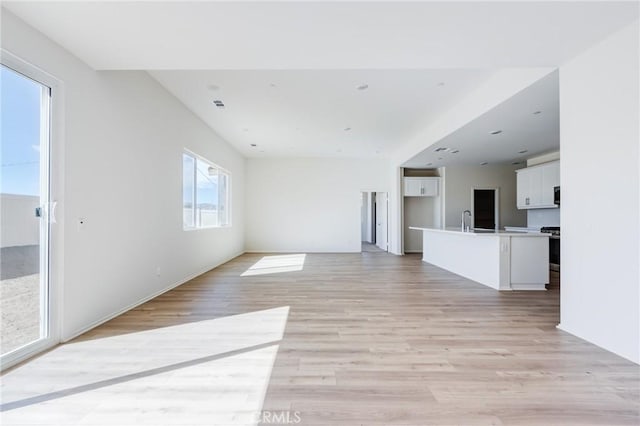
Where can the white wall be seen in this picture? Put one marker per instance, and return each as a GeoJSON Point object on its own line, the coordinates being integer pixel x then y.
{"type": "Point", "coordinates": [18, 222]}
{"type": "Point", "coordinates": [308, 204]}
{"type": "Point", "coordinates": [599, 138]}
{"type": "Point", "coordinates": [459, 180]}
{"type": "Point", "coordinates": [124, 136]}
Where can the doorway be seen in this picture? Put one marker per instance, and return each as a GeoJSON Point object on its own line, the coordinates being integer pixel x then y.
{"type": "Point", "coordinates": [374, 212]}
{"type": "Point", "coordinates": [485, 208]}
{"type": "Point", "coordinates": [382, 215]}
{"type": "Point", "coordinates": [26, 325]}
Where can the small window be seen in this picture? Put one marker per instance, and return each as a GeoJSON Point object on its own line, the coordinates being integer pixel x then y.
{"type": "Point", "coordinates": [205, 194]}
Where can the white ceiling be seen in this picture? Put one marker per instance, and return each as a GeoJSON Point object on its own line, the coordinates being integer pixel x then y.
{"type": "Point", "coordinates": [521, 128]}
{"type": "Point", "coordinates": [206, 35]}
{"type": "Point", "coordinates": [305, 113]}
{"type": "Point", "coordinates": [316, 53]}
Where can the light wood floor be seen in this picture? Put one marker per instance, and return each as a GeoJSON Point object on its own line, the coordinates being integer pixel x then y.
{"type": "Point", "coordinates": [371, 248]}
{"type": "Point", "coordinates": [351, 339]}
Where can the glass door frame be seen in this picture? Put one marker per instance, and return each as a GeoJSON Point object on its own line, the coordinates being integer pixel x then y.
{"type": "Point", "coordinates": [51, 224]}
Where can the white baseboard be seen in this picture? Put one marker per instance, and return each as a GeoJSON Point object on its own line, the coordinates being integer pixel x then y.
{"type": "Point", "coordinates": [127, 308]}
{"type": "Point", "coordinates": [299, 251]}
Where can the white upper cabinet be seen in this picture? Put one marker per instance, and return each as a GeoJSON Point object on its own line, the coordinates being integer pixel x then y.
{"type": "Point", "coordinates": [412, 187]}
{"type": "Point", "coordinates": [535, 185]}
{"type": "Point", "coordinates": [550, 179]}
{"type": "Point", "coordinates": [421, 186]}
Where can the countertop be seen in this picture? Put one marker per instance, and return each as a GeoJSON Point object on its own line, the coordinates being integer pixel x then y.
{"type": "Point", "coordinates": [483, 232]}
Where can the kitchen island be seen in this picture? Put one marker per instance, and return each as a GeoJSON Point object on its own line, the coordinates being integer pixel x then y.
{"type": "Point", "coordinates": [498, 259]}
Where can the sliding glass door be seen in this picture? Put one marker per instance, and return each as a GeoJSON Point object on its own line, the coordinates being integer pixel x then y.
{"type": "Point", "coordinates": [25, 301]}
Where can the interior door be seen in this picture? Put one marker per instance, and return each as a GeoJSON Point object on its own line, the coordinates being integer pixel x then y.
{"type": "Point", "coordinates": [381, 220]}
{"type": "Point", "coordinates": [484, 212]}
{"type": "Point", "coordinates": [25, 220]}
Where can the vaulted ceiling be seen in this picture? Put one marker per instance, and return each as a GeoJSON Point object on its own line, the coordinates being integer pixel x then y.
{"type": "Point", "coordinates": [288, 72]}
{"type": "Point", "coordinates": [345, 113]}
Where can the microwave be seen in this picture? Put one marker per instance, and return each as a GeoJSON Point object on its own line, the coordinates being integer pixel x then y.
{"type": "Point", "coordinates": [556, 195]}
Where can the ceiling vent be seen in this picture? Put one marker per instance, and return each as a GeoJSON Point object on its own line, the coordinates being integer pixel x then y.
{"type": "Point", "coordinates": [218, 103]}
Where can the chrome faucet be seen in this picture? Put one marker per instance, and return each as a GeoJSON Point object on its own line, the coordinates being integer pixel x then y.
{"type": "Point", "coordinates": [466, 228]}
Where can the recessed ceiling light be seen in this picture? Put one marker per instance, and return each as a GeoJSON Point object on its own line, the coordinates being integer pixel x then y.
{"type": "Point", "coordinates": [363, 87]}
{"type": "Point", "coordinates": [254, 145]}
{"type": "Point", "coordinates": [346, 129]}
{"type": "Point", "coordinates": [537, 112]}
{"type": "Point", "coordinates": [496, 132]}
{"type": "Point", "coordinates": [441, 149]}
{"type": "Point", "coordinates": [455, 151]}
{"type": "Point", "coordinates": [484, 163]}
{"type": "Point", "coordinates": [523, 151]}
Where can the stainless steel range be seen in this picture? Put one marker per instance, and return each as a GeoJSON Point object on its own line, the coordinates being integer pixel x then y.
{"type": "Point", "coordinates": [554, 246]}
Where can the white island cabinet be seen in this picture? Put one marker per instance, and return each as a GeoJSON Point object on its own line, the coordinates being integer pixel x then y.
{"type": "Point", "coordinates": [498, 259]}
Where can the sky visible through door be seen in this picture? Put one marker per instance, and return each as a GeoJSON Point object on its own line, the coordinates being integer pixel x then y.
{"type": "Point", "coordinates": [20, 132]}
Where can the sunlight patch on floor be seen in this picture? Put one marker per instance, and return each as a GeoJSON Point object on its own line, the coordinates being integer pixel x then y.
{"type": "Point", "coordinates": [276, 264]}
{"type": "Point", "coordinates": [202, 373]}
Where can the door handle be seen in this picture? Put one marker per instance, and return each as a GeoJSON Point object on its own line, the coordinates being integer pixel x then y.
{"type": "Point", "coordinates": [38, 212]}
{"type": "Point", "coordinates": [52, 211]}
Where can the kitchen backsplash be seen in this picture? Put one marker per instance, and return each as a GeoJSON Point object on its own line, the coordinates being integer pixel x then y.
{"type": "Point", "coordinates": [543, 217]}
